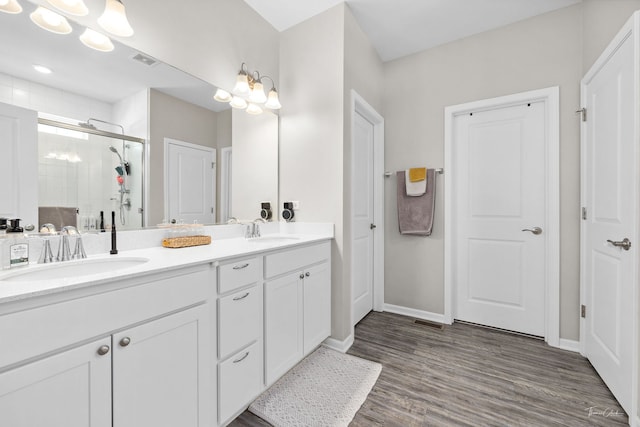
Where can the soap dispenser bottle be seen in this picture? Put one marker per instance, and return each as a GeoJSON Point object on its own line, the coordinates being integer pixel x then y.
{"type": "Point", "coordinates": [15, 248]}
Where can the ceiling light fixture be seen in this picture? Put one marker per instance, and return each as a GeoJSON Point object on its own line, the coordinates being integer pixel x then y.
{"type": "Point", "coordinates": [248, 93]}
{"type": "Point", "coordinates": [114, 19]}
{"type": "Point", "coordinates": [95, 40]}
{"type": "Point", "coordinates": [50, 21]}
{"type": "Point", "coordinates": [42, 69]}
{"type": "Point", "coordinates": [72, 7]}
{"type": "Point", "coordinates": [10, 6]}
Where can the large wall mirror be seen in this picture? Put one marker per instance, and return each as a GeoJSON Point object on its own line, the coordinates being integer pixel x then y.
{"type": "Point", "coordinates": [115, 127]}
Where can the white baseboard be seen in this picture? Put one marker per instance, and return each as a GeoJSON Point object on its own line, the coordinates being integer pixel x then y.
{"type": "Point", "coordinates": [418, 314]}
{"type": "Point", "coordinates": [569, 345]}
{"type": "Point", "coordinates": [341, 346]}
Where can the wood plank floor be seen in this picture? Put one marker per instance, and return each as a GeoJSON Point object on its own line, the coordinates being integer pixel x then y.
{"type": "Point", "coordinates": [465, 375]}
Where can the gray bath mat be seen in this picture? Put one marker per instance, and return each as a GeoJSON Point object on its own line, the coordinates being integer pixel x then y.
{"type": "Point", "coordinates": [325, 389]}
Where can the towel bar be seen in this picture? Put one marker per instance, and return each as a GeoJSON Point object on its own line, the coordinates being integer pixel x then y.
{"type": "Point", "coordinates": [438, 171]}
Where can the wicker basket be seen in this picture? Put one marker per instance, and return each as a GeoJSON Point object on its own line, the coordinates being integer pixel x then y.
{"type": "Point", "coordinates": [184, 242]}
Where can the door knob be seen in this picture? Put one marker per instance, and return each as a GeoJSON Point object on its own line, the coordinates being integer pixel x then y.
{"type": "Point", "coordinates": [534, 230]}
{"type": "Point", "coordinates": [624, 244]}
{"type": "Point", "coordinates": [125, 341]}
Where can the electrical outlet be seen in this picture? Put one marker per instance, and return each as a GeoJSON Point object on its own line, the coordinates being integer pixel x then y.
{"type": "Point", "coordinates": [296, 205]}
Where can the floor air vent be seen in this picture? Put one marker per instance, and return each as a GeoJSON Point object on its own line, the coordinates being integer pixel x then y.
{"type": "Point", "coordinates": [429, 324]}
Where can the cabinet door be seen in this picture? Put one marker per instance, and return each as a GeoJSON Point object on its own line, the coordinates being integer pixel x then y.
{"type": "Point", "coordinates": [161, 371]}
{"type": "Point", "coordinates": [69, 389]}
{"type": "Point", "coordinates": [317, 306]}
{"type": "Point", "coordinates": [283, 325]}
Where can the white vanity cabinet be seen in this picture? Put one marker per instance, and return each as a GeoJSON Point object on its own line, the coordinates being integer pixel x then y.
{"type": "Point", "coordinates": [139, 350]}
{"type": "Point", "coordinates": [240, 356]}
{"type": "Point", "coordinates": [297, 294]}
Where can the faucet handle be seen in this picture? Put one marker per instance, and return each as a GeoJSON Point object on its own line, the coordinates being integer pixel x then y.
{"type": "Point", "coordinates": [46, 256]}
{"type": "Point", "coordinates": [64, 252]}
{"type": "Point", "coordinates": [79, 252]}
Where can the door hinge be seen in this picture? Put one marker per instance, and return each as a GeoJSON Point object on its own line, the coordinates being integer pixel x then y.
{"type": "Point", "coordinates": [583, 310]}
{"type": "Point", "coordinates": [211, 210]}
{"type": "Point", "coordinates": [584, 213]}
{"type": "Point", "coordinates": [583, 113]}
{"type": "Point", "coordinates": [213, 165]}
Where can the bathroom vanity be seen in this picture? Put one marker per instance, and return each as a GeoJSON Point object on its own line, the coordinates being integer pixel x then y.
{"type": "Point", "coordinates": [162, 337]}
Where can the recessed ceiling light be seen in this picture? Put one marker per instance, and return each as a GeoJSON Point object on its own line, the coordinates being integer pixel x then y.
{"type": "Point", "coordinates": [42, 69]}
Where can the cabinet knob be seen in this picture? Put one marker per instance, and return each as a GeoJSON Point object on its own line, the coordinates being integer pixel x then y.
{"type": "Point", "coordinates": [307, 274]}
{"type": "Point", "coordinates": [302, 275]}
{"type": "Point", "coordinates": [125, 341]}
{"type": "Point", "coordinates": [104, 349]}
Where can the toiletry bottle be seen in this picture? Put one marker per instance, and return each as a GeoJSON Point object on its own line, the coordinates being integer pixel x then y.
{"type": "Point", "coordinates": [3, 226]}
{"type": "Point", "coordinates": [102, 221]}
{"type": "Point", "coordinates": [16, 247]}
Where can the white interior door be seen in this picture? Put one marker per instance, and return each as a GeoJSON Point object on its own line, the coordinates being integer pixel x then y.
{"type": "Point", "coordinates": [363, 218]}
{"type": "Point", "coordinates": [19, 164]}
{"type": "Point", "coordinates": [610, 187]}
{"type": "Point", "coordinates": [190, 184]}
{"type": "Point", "coordinates": [499, 167]}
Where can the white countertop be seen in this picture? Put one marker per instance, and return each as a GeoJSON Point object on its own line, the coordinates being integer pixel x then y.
{"type": "Point", "coordinates": [160, 259]}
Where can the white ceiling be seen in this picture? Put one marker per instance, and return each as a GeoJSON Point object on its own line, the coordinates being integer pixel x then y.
{"type": "Point", "coordinates": [401, 27]}
{"type": "Point", "coordinates": [108, 77]}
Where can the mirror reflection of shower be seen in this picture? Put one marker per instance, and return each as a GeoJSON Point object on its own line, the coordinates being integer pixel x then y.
{"type": "Point", "coordinates": [123, 170]}
{"type": "Point", "coordinates": [92, 171]}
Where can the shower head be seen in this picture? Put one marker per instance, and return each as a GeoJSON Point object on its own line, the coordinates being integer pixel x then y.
{"type": "Point", "coordinates": [115, 150]}
{"type": "Point", "coordinates": [87, 125]}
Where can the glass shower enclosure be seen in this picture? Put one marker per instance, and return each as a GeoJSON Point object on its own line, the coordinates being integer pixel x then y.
{"type": "Point", "coordinates": [85, 171]}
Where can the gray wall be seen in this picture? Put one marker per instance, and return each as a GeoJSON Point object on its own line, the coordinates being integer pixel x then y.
{"type": "Point", "coordinates": [552, 49]}
{"type": "Point", "coordinates": [311, 132]}
{"type": "Point", "coordinates": [176, 119]}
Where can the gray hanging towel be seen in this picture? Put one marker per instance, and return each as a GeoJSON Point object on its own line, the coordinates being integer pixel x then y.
{"type": "Point", "coordinates": [415, 214]}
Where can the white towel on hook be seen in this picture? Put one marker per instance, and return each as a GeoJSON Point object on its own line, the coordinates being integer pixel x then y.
{"type": "Point", "coordinates": [414, 189]}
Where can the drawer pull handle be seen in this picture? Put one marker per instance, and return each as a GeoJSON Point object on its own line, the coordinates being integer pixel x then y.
{"type": "Point", "coordinates": [240, 267]}
{"type": "Point", "coordinates": [125, 341]}
{"type": "Point", "coordinates": [307, 274]}
{"type": "Point", "coordinates": [242, 297]}
{"type": "Point", "coordinates": [244, 356]}
{"type": "Point", "coordinates": [103, 350]}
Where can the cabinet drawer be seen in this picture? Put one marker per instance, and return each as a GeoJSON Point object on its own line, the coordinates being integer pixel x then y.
{"type": "Point", "coordinates": [236, 274]}
{"type": "Point", "coordinates": [239, 381]}
{"type": "Point", "coordinates": [239, 320]}
{"type": "Point", "coordinates": [295, 259]}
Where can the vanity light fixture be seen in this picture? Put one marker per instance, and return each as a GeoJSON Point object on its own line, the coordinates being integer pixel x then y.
{"type": "Point", "coordinates": [50, 21]}
{"type": "Point", "coordinates": [237, 102]}
{"type": "Point", "coordinates": [222, 96]}
{"type": "Point", "coordinates": [72, 7]}
{"type": "Point", "coordinates": [254, 109]}
{"type": "Point", "coordinates": [114, 19]}
{"type": "Point", "coordinates": [95, 40]}
{"type": "Point", "coordinates": [10, 6]}
{"type": "Point", "coordinates": [248, 93]}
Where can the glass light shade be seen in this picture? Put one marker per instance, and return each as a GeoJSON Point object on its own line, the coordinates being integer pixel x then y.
{"type": "Point", "coordinates": [238, 102]}
{"type": "Point", "coordinates": [257, 94]}
{"type": "Point", "coordinates": [222, 95]}
{"type": "Point", "coordinates": [254, 109]}
{"type": "Point", "coordinates": [10, 6]}
{"type": "Point", "coordinates": [72, 7]}
{"type": "Point", "coordinates": [273, 103]}
{"type": "Point", "coordinates": [50, 21]}
{"type": "Point", "coordinates": [97, 41]}
{"type": "Point", "coordinates": [114, 19]}
{"type": "Point", "coordinates": [242, 85]}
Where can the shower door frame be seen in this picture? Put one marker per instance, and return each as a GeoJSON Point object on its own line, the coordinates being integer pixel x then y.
{"type": "Point", "coordinates": [118, 136]}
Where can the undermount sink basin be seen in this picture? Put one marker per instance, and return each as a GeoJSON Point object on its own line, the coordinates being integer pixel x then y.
{"type": "Point", "coordinates": [72, 269]}
{"type": "Point", "coordinates": [274, 239]}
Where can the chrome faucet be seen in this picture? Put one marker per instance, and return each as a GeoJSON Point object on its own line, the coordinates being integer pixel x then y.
{"type": "Point", "coordinates": [253, 228]}
{"type": "Point", "coordinates": [64, 247]}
